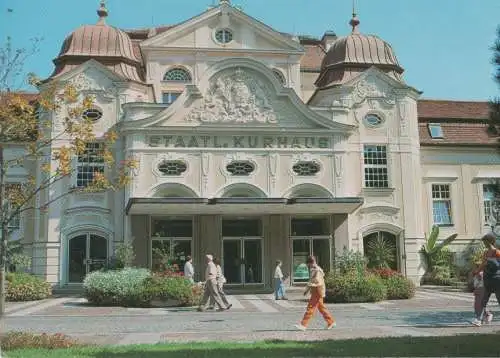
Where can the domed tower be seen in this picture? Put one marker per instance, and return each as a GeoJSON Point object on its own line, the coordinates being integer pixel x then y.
{"type": "Point", "coordinates": [106, 44]}
{"type": "Point", "coordinates": [353, 54]}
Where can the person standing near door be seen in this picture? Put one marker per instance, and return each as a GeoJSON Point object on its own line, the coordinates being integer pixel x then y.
{"type": "Point", "coordinates": [279, 282]}
{"type": "Point", "coordinates": [189, 269]}
{"type": "Point", "coordinates": [211, 290]}
{"type": "Point", "coordinates": [317, 288]}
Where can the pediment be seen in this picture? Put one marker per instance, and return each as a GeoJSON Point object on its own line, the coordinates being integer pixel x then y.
{"type": "Point", "coordinates": [91, 76]}
{"type": "Point", "coordinates": [248, 33]}
{"type": "Point", "coordinates": [242, 98]}
{"type": "Point", "coordinates": [372, 84]}
{"type": "Point", "coordinates": [375, 84]}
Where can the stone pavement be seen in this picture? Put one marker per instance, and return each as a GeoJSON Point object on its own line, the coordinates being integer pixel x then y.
{"type": "Point", "coordinates": [252, 318]}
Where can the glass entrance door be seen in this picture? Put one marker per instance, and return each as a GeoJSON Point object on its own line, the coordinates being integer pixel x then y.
{"type": "Point", "coordinates": [242, 260]}
{"type": "Point", "coordinates": [86, 253]}
{"type": "Point", "coordinates": [302, 248]}
{"type": "Point", "coordinates": [310, 237]}
{"type": "Point", "coordinates": [242, 250]}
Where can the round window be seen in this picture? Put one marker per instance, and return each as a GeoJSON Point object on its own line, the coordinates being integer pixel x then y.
{"type": "Point", "coordinates": [92, 114]}
{"type": "Point", "coordinates": [224, 36]}
{"type": "Point", "coordinates": [373, 120]}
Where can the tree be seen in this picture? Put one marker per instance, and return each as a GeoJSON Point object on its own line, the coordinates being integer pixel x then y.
{"type": "Point", "coordinates": [495, 103]}
{"type": "Point", "coordinates": [494, 127]}
{"type": "Point", "coordinates": [24, 124]}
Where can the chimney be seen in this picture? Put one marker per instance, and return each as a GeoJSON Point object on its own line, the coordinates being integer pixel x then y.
{"type": "Point", "coordinates": [328, 39]}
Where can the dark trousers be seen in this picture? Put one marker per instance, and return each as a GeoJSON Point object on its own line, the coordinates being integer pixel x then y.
{"type": "Point", "coordinates": [491, 286]}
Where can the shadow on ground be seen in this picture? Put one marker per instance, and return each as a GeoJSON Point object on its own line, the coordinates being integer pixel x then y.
{"type": "Point", "coordinates": [438, 318]}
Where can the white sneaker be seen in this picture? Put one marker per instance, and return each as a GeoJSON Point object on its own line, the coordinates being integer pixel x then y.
{"type": "Point", "coordinates": [330, 326]}
{"type": "Point", "coordinates": [488, 318]}
{"type": "Point", "coordinates": [300, 327]}
{"type": "Point", "coordinates": [476, 322]}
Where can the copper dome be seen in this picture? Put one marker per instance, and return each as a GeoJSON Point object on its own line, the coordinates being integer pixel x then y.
{"type": "Point", "coordinates": [352, 54]}
{"type": "Point", "coordinates": [98, 40]}
{"type": "Point", "coordinates": [106, 44]}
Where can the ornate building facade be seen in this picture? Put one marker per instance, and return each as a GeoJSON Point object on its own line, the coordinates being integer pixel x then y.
{"type": "Point", "coordinates": [255, 145]}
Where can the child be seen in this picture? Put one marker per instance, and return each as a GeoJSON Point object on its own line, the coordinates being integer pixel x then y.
{"type": "Point", "coordinates": [478, 300]}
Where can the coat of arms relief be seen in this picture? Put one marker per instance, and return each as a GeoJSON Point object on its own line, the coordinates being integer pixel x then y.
{"type": "Point", "coordinates": [235, 97]}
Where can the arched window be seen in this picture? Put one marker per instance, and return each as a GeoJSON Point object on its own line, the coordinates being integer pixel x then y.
{"type": "Point", "coordinates": [381, 250]}
{"type": "Point", "coordinates": [279, 75]}
{"type": "Point", "coordinates": [177, 75]}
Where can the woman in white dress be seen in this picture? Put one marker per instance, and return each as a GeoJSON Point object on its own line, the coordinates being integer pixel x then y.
{"type": "Point", "coordinates": [221, 280]}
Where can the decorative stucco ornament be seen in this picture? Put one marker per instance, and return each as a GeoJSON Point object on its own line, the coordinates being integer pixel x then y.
{"type": "Point", "coordinates": [370, 88]}
{"type": "Point", "coordinates": [235, 97]}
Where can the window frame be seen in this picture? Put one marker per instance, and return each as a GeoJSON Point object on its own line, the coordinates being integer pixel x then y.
{"type": "Point", "coordinates": [247, 175]}
{"type": "Point", "coordinates": [169, 94]}
{"type": "Point", "coordinates": [79, 164]}
{"type": "Point", "coordinates": [223, 30]}
{"type": "Point", "coordinates": [279, 76]}
{"type": "Point", "coordinates": [187, 74]}
{"type": "Point", "coordinates": [435, 126]}
{"type": "Point", "coordinates": [489, 201]}
{"type": "Point", "coordinates": [376, 166]}
{"type": "Point", "coordinates": [448, 200]}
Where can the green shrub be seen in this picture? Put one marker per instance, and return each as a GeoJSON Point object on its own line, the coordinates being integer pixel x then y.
{"type": "Point", "coordinates": [349, 260]}
{"type": "Point", "coordinates": [26, 287]}
{"type": "Point", "coordinates": [353, 287]}
{"type": "Point", "coordinates": [174, 288]}
{"type": "Point", "coordinates": [26, 340]}
{"type": "Point", "coordinates": [399, 287]}
{"type": "Point", "coordinates": [125, 287]}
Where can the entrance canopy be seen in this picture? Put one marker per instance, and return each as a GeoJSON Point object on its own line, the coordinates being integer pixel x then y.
{"type": "Point", "coordinates": [242, 205]}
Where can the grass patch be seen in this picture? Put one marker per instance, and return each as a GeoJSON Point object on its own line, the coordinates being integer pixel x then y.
{"type": "Point", "coordinates": [480, 345]}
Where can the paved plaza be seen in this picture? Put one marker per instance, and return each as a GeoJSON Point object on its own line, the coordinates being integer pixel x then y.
{"type": "Point", "coordinates": [252, 317]}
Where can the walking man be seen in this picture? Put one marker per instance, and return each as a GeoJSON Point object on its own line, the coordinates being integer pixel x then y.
{"type": "Point", "coordinates": [316, 286]}
{"type": "Point", "coordinates": [221, 280]}
{"type": "Point", "coordinates": [189, 269]}
{"type": "Point", "coordinates": [211, 290]}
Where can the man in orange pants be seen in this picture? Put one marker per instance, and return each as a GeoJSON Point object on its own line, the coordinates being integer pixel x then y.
{"type": "Point", "coordinates": [317, 288]}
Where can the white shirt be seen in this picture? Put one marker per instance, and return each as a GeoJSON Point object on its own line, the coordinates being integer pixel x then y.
{"type": "Point", "coordinates": [188, 270]}
{"type": "Point", "coordinates": [211, 272]}
{"type": "Point", "coordinates": [278, 273]}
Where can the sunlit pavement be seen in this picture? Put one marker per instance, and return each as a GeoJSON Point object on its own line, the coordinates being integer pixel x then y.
{"type": "Point", "coordinates": [252, 318]}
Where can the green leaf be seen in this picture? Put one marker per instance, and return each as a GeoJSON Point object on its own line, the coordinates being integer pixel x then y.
{"type": "Point", "coordinates": [430, 243]}
{"type": "Point", "coordinates": [445, 242]}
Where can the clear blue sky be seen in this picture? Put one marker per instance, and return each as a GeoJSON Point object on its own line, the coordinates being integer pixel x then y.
{"type": "Point", "coordinates": [442, 44]}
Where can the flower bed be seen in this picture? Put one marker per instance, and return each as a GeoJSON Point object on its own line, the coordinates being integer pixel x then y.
{"type": "Point", "coordinates": [398, 286]}
{"type": "Point", "coordinates": [26, 287]}
{"type": "Point", "coordinates": [25, 340]}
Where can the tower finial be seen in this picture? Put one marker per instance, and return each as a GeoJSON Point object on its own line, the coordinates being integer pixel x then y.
{"type": "Point", "coordinates": [102, 12]}
{"type": "Point", "coordinates": [224, 2]}
{"type": "Point", "coordinates": [354, 21]}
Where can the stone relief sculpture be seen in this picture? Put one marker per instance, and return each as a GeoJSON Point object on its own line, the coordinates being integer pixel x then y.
{"type": "Point", "coordinates": [235, 97]}
{"type": "Point", "coordinates": [371, 88]}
